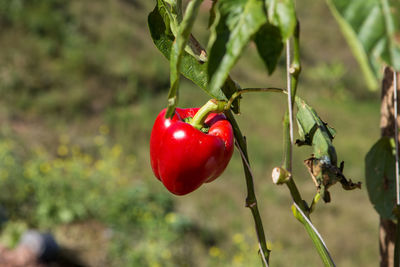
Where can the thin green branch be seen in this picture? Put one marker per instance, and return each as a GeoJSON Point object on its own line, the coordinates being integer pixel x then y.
{"type": "Point", "coordinates": [300, 210]}
{"type": "Point", "coordinates": [287, 158]}
{"type": "Point", "coordinates": [293, 70]}
{"type": "Point", "coordinates": [290, 95]}
{"type": "Point", "coordinates": [251, 201]}
{"type": "Point", "coordinates": [315, 236]}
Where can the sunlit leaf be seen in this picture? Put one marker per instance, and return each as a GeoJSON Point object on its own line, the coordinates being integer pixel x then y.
{"type": "Point", "coordinates": [192, 68]}
{"type": "Point", "coordinates": [372, 29]}
{"type": "Point", "coordinates": [234, 26]}
{"type": "Point", "coordinates": [282, 14]}
{"type": "Point", "coordinates": [380, 177]}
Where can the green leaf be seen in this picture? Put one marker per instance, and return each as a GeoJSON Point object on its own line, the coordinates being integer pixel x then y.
{"type": "Point", "coordinates": [282, 14]}
{"type": "Point", "coordinates": [372, 29]}
{"type": "Point", "coordinates": [315, 132]}
{"type": "Point", "coordinates": [322, 164]}
{"type": "Point", "coordinates": [269, 44]}
{"type": "Point", "coordinates": [191, 67]}
{"type": "Point", "coordinates": [178, 48]}
{"type": "Point", "coordinates": [163, 38]}
{"type": "Point", "coordinates": [235, 23]}
{"type": "Point", "coordinates": [380, 177]}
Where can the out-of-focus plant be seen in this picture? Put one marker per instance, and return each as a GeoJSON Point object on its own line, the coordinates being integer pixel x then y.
{"type": "Point", "coordinates": [54, 49]}
{"type": "Point", "coordinates": [73, 185]}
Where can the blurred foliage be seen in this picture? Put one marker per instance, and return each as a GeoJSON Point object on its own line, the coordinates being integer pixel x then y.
{"type": "Point", "coordinates": [333, 77]}
{"type": "Point", "coordinates": [74, 186]}
{"type": "Point", "coordinates": [66, 56]}
{"type": "Point", "coordinates": [12, 232]}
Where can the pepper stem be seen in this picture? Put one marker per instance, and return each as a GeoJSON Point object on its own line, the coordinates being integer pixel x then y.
{"type": "Point", "coordinates": [212, 106]}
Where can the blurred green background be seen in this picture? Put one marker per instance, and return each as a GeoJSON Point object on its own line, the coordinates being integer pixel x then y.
{"type": "Point", "coordinates": [80, 86]}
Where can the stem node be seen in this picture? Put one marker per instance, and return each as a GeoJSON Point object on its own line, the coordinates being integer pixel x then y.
{"type": "Point", "coordinates": [280, 175]}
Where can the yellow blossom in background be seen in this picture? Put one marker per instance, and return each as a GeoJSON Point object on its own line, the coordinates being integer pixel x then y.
{"type": "Point", "coordinates": [104, 129]}
{"type": "Point", "coordinates": [116, 151]}
{"type": "Point", "coordinates": [238, 238]}
{"type": "Point", "coordinates": [99, 165]}
{"type": "Point", "coordinates": [170, 217]}
{"type": "Point", "coordinates": [62, 150]}
{"type": "Point", "coordinates": [215, 252]}
{"type": "Point", "coordinates": [45, 167]}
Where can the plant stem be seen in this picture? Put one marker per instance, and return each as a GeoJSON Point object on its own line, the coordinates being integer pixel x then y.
{"type": "Point", "coordinates": [293, 70]}
{"type": "Point", "coordinates": [290, 107]}
{"type": "Point", "coordinates": [319, 246]}
{"type": "Point", "coordinates": [251, 201]}
{"type": "Point", "coordinates": [315, 236]}
{"type": "Point", "coordinates": [287, 159]}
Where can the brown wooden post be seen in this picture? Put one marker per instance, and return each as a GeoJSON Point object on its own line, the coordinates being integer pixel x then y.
{"type": "Point", "coordinates": [387, 228]}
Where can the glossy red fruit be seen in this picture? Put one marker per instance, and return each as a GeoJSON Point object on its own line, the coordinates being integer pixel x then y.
{"type": "Point", "coordinates": [182, 157]}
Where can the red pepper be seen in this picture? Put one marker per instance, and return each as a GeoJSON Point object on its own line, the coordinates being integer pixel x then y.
{"type": "Point", "coordinates": [183, 157]}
